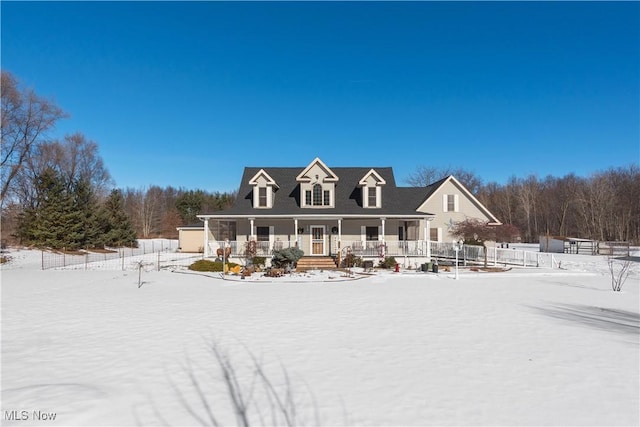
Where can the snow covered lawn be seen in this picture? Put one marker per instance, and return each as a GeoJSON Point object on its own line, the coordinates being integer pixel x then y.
{"type": "Point", "coordinates": [524, 347]}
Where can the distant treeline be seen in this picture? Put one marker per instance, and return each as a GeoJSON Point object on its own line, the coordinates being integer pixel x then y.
{"type": "Point", "coordinates": [157, 212]}
{"type": "Point", "coordinates": [604, 206]}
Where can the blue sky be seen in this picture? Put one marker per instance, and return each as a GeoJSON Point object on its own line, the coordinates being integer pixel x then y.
{"type": "Point", "coordinates": [187, 94]}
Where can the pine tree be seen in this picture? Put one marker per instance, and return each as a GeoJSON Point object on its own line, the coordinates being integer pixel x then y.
{"type": "Point", "coordinates": [53, 222]}
{"type": "Point", "coordinates": [64, 216]}
{"type": "Point", "coordinates": [115, 225]}
{"type": "Point", "coordinates": [85, 230]}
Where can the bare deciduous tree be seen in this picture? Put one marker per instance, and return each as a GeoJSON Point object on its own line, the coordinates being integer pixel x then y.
{"type": "Point", "coordinates": [619, 270]}
{"type": "Point", "coordinates": [425, 176]}
{"type": "Point", "coordinates": [26, 117]}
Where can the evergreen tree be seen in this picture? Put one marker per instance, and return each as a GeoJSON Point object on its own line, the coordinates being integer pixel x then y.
{"type": "Point", "coordinates": [85, 231]}
{"type": "Point", "coordinates": [189, 204]}
{"type": "Point", "coordinates": [54, 222]}
{"type": "Point", "coordinates": [64, 216]}
{"type": "Point", "coordinates": [115, 227]}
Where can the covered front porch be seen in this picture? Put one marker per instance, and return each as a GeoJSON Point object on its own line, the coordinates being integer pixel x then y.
{"type": "Point", "coordinates": [367, 237]}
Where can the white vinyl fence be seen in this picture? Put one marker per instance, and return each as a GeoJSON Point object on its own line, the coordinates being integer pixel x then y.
{"type": "Point", "coordinates": [495, 256]}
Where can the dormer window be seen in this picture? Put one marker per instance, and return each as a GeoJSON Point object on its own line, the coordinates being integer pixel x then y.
{"type": "Point", "coordinates": [264, 188]}
{"type": "Point", "coordinates": [371, 185]}
{"type": "Point", "coordinates": [317, 196]}
{"type": "Point", "coordinates": [317, 186]}
{"type": "Point", "coordinates": [262, 197]}
{"type": "Point", "coordinates": [372, 196]}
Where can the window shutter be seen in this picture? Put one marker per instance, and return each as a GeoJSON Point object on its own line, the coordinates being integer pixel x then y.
{"type": "Point", "coordinates": [439, 234]}
{"type": "Point", "coordinates": [363, 233]}
{"type": "Point", "coordinates": [456, 206]}
{"type": "Point", "coordinates": [445, 203]}
{"type": "Point", "coordinates": [380, 236]}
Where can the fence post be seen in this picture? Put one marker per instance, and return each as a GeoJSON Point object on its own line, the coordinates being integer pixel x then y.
{"type": "Point", "coordinates": [42, 262]}
{"type": "Point", "coordinates": [123, 260]}
{"type": "Point", "coordinates": [86, 260]}
{"type": "Point", "coordinates": [64, 257]}
{"type": "Point", "coordinates": [158, 261]}
{"type": "Point", "coordinates": [495, 256]}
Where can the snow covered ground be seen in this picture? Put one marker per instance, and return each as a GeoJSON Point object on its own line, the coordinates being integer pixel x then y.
{"type": "Point", "coordinates": [523, 347]}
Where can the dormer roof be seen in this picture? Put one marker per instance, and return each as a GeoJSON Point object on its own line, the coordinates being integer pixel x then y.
{"type": "Point", "coordinates": [266, 176]}
{"type": "Point", "coordinates": [307, 176]}
{"type": "Point", "coordinates": [375, 175]}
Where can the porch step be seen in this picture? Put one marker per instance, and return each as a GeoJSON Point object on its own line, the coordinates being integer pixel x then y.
{"type": "Point", "coordinates": [316, 263]}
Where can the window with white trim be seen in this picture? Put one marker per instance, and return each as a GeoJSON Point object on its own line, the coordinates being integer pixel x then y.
{"type": "Point", "coordinates": [371, 195]}
{"type": "Point", "coordinates": [262, 234]}
{"type": "Point", "coordinates": [450, 203]}
{"type": "Point", "coordinates": [262, 197]}
{"type": "Point", "coordinates": [371, 233]}
{"type": "Point", "coordinates": [317, 195]}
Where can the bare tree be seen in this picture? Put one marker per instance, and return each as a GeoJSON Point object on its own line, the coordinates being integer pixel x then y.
{"type": "Point", "coordinates": [75, 158]}
{"type": "Point", "coordinates": [425, 176]}
{"type": "Point", "coordinates": [619, 270]}
{"type": "Point", "coordinates": [80, 160]}
{"type": "Point", "coordinates": [143, 206]}
{"type": "Point", "coordinates": [26, 117]}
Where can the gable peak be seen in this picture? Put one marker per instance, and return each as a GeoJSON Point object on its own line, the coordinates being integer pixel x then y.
{"type": "Point", "coordinates": [310, 173]}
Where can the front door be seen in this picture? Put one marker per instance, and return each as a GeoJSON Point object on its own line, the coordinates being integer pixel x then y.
{"type": "Point", "coordinates": [317, 240]}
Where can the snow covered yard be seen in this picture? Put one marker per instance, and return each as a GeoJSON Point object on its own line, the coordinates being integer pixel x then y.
{"type": "Point", "coordinates": [524, 347]}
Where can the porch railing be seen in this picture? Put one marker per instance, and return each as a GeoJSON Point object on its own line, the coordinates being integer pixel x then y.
{"type": "Point", "coordinates": [407, 248]}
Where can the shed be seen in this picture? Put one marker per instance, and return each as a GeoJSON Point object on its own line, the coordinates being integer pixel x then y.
{"type": "Point", "coordinates": [568, 245]}
{"type": "Point", "coordinates": [191, 238]}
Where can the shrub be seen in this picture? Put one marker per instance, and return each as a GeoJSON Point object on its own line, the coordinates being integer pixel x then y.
{"type": "Point", "coordinates": [351, 260]}
{"type": "Point", "coordinates": [206, 265]}
{"type": "Point", "coordinates": [388, 262]}
{"type": "Point", "coordinates": [259, 261]}
{"type": "Point", "coordinates": [286, 256]}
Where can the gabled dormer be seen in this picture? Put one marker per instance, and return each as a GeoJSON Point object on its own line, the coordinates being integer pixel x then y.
{"type": "Point", "coordinates": [264, 188]}
{"type": "Point", "coordinates": [317, 186]}
{"type": "Point", "coordinates": [371, 185]}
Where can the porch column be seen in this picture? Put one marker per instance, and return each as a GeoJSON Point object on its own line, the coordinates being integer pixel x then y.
{"type": "Point", "coordinates": [252, 232]}
{"type": "Point", "coordinates": [427, 237]}
{"type": "Point", "coordinates": [339, 241]}
{"type": "Point", "coordinates": [206, 237]}
{"type": "Point", "coordinates": [383, 221]}
{"type": "Point", "coordinates": [295, 229]}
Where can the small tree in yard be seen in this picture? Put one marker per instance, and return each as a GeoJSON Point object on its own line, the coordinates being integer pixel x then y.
{"type": "Point", "coordinates": [475, 231]}
{"type": "Point", "coordinates": [388, 262]}
{"type": "Point", "coordinates": [619, 270]}
{"type": "Point", "coordinates": [286, 256]}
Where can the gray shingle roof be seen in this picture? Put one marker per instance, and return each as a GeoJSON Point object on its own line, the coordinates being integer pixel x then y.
{"type": "Point", "coordinates": [348, 201]}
